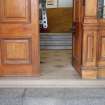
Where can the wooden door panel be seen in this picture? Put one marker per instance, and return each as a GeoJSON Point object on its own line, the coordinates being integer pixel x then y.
{"type": "Point", "coordinates": [76, 41]}
{"type": "Point", "coordinates": [89, 48]}
{"type": "Point", "coordinates": [77, 34]}
{"type": "Point", "coordinates": [19, 37]}
{"type": "Point", "coordinates": [15, 11]}
{"type": "Point", "coordinates": [102, 54]}
{"type": "Point", "coordinates": [101, 48]}
{"type": "Point", "coordinates": [16, 51]}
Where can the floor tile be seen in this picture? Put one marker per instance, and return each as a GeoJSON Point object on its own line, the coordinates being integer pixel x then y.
{"type": "Point", "coordinates": [11, 101]}
{"type": "Point", "coordinates": [13, 93]}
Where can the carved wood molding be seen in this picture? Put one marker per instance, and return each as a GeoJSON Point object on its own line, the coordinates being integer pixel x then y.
{"type": "Point", "coordinates": [89, 68]}
{"type": "Point", "coordinates": [90, 19]}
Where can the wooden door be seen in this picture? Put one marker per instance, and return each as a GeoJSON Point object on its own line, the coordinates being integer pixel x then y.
{"type": "Point", "coordinates": [78, 7]}
{"type": "Point", "coordinates": [19, 37]}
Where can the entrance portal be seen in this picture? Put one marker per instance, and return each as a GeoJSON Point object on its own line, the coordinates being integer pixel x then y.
{"type": "Point", "coordinates": [56, 41]}
{"type": "Point", "coordinates": [84, 32]}
{"type": "Point", "coordinates": [19, 37]}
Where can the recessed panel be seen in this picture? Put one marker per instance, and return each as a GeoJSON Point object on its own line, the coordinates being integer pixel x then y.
{"type": "Point", "coordinates": [15, 10]}
{"type": "Point", "coordinates": [102, 47]}
{"type": "Point", "coordinates": [1, 9]}
{"type": "Point", "coordinates": [16, 51]}
{"type": "Point", "coordinates": [90, 46]}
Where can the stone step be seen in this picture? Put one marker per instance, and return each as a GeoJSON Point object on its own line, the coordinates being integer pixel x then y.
{"type": "Point", "coordinates": [55, 37]}
{"type": "Point", "coordinates": [57, 34]}
{"type": "Point", "coordinates": [32, 82]}
{"type": "Point", "coordinates": [56, 47]}
{"type": "Point", "coordinates": [56, 40]}
{"type": "Point", "coordinates": [56, 43]}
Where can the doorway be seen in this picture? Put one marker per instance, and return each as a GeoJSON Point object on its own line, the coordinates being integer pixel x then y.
{"type": "Point", "coordinates": [19, 37]}
{"type": "Point", "coordinates": [56, 40]}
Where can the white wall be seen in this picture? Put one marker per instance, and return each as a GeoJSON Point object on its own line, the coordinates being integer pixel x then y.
{"type": "Point", "coordinates": [59, 3]}
{"type": "Point", "coordinates": [65, 3]}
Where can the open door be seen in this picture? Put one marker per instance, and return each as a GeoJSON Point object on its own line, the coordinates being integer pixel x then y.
{"type": "Point", "coordinates": [78, 13]}
{"type": "Point", "coordinates": [19, 37]}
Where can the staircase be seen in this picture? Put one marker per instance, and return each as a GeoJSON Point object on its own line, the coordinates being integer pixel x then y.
{"type": "Point", "coordinates": [56, 41]}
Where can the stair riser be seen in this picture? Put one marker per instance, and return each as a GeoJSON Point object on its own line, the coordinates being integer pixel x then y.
{"type": "Point", "coordinates": [56, 37]}
{"type": "Point", "coordinates": [56, 41]}
{"type": "Point", "coordinates": [57, 47]}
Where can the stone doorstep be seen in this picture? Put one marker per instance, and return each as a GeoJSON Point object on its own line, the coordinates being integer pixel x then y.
{"type": "Point", "coordinates": [42, 83]}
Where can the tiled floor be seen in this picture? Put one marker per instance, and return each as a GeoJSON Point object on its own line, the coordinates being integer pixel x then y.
{"type": "Point", "coordinates": [56, 64]}
{"type": "Point", "coordinates": [52, 96]}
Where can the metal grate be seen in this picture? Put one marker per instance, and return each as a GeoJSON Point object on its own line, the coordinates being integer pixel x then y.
{"type": "Point", "coordinates": [43, 14]}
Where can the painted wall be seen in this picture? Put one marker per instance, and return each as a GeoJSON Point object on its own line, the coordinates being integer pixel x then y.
{"type": "Point", "coordinates": [59, 3]}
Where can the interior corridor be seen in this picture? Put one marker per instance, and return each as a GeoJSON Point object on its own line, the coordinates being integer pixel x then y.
{"type": "Point", "coordinates": [56, 64]}
{"type": "Point", "coordinates": [56, 41]}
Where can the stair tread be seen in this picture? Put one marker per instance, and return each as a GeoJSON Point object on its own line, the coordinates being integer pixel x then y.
{"type": "Point", "coordinates": [57, 34]}
{"type": "Point", "coordinates": [56, 40]}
